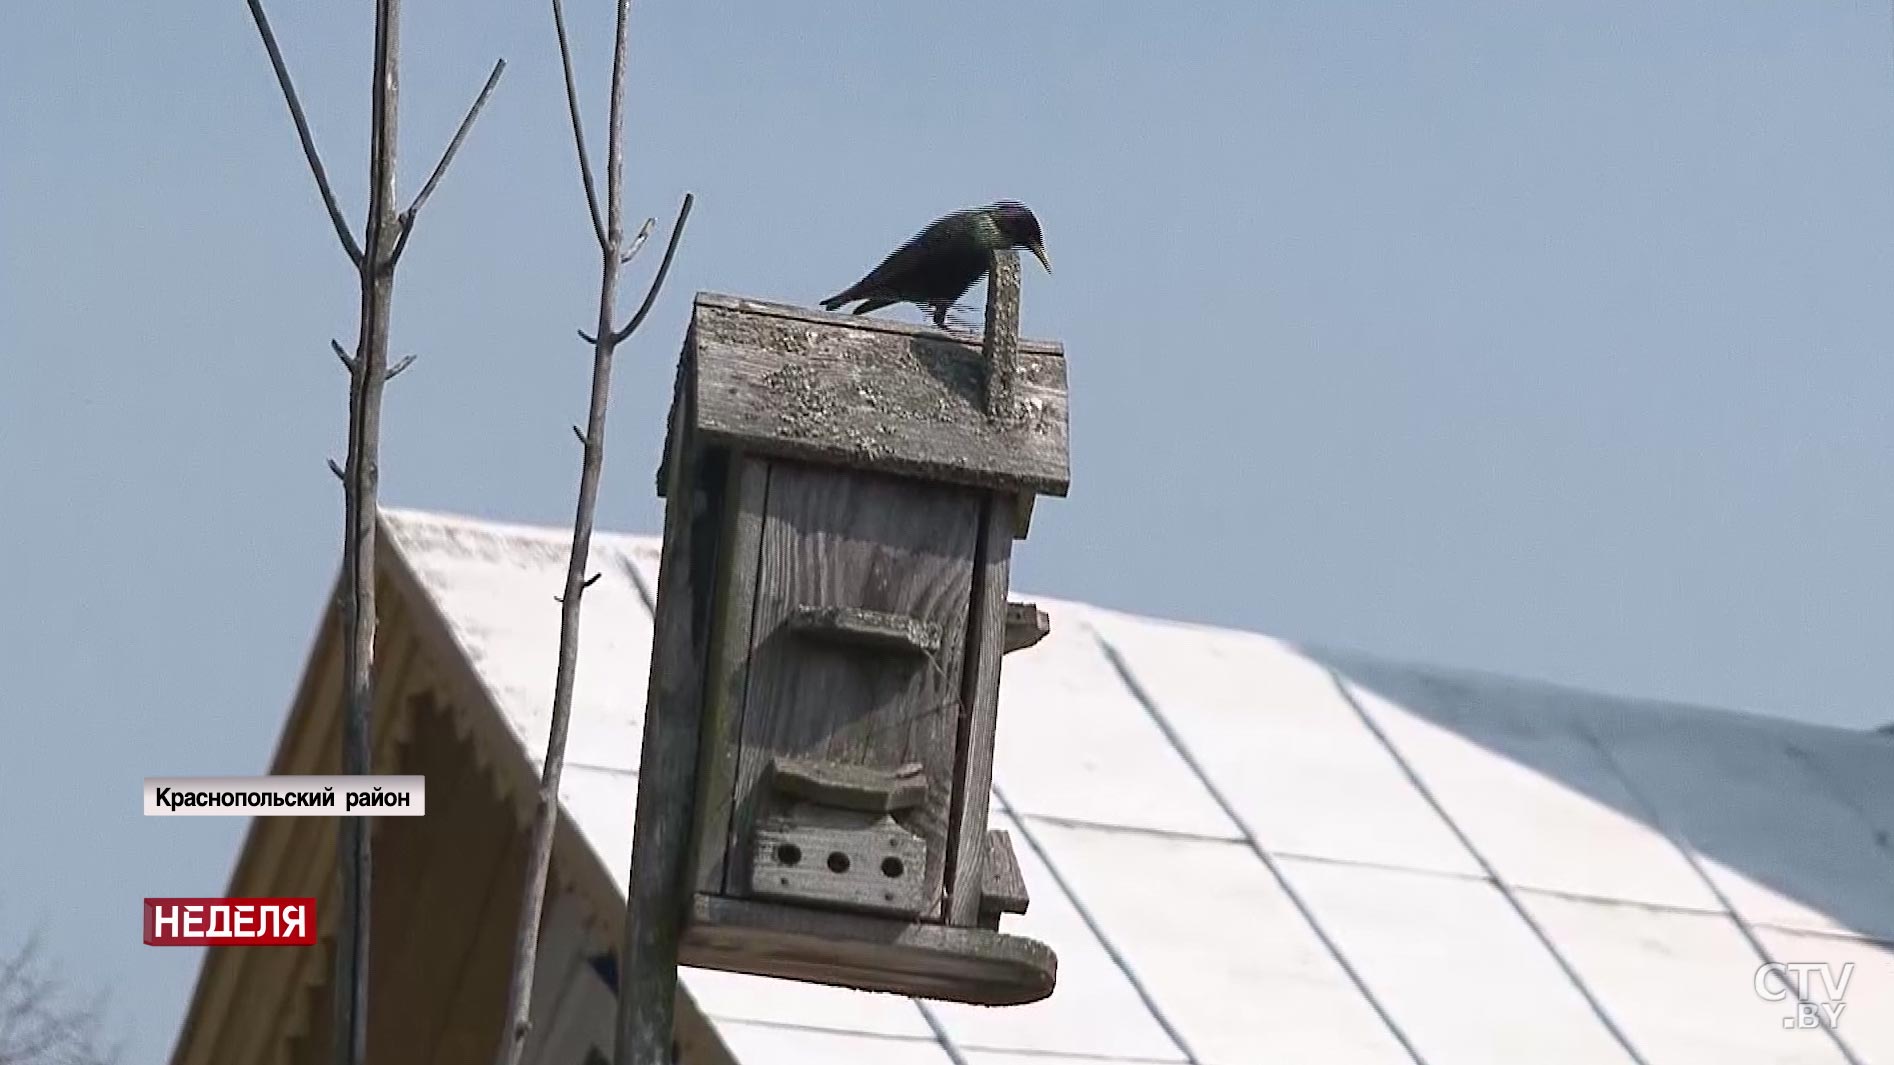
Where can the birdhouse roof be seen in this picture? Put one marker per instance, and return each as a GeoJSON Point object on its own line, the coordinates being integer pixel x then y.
{"type": "Point", "coordinates": [870, 393]}
{"type": "Point", "coordinates": [1245, 850]}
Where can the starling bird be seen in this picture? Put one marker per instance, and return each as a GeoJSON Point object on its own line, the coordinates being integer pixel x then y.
{"type": "Point", "coordinates": [940, 263]}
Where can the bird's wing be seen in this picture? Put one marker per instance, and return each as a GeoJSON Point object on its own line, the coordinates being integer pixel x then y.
{"type": "Point", "coordinates": [901, 264]}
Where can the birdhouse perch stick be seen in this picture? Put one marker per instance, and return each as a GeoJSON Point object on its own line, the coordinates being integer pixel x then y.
{"type": "Point", "coordinates": [1001, 345]}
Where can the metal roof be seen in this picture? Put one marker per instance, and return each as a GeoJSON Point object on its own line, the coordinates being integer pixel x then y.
{"type": "Point", "coordinates": [1245, 851]}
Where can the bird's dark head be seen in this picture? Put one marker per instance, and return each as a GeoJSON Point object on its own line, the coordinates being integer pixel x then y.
{"type": "Point", "coordinates": [1020, 227]}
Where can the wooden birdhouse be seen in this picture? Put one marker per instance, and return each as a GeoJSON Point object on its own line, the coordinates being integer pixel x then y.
{"type": "Point", "coordinates": [842, 497]}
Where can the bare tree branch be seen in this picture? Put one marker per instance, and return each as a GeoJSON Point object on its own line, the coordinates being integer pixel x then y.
{"type": "Point", "coordinates": [406, 361]}
{"type": "Point", "coordinates": [657, 281]}
{"type": "Point", "coordinates": [578, 124]}
{"type": "Point", "coordinates": [40, 1024]}
{"type": "Point", "coordinates": [302, 132]}
{"type": "Point", "coordinates": [604, 341]}
{"type": "Point", "coordinates": [386, 233]}
{"type": "Point", "coordinates": [447, 157]}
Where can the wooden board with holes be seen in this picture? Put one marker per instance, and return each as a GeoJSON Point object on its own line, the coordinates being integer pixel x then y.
{"type": "Point", "coordinates": [837, 538]}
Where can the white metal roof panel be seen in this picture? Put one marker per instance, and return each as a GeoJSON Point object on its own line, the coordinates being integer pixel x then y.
{"type": "Point", "coordinates": [1456, 966]}
{"type": "Point", "coordinates": [1522, 791]}
{"type": "Point", "coordinates": [1113, 764]}
{"type": "Point", "coordinates": [1680, 985]}
{"type": "Point", "coordinates": [1563, 792]}
{"type": "Point", "coordinates": [1780, 841]}
{"type": "Point", "coordinates": [1863, 993]}
{"type": "Point", "coordinates": [601, 804]}
{"type": "Point", "coordinates": [1227, 958]}
{"type": "Point", "coordinates": [1273, 731]}
{"type": "Point", "coordinates": [994, 1057]}
{"type": "Point", "coordinates": [788, 1003]}
{"type": "Point", "coordinates": [1095, 1010]}
{"type": "Point", "coordinates": [496, 587]}
{"type": "Point", "coordinates": [759, 1044]}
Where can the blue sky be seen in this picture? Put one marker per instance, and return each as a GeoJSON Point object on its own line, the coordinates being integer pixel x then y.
{"type": "Point", "coordinates": [1546, 339]}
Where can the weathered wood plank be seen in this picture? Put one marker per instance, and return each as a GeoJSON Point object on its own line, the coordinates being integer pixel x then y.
{"type": "Point", "coordinates": [789, 312]}
{"type": "Point", "coordinates": [1022, 514]}
{"type": "Point", "coordinates": [270, 979]}
{"type": "Point", "coordinates": [476, 1012]}
{"type": "Point", "coordinates": [870, 789]}
{"type": "Point", "coordinates": [663, 826]}
{"type": "Point", "coordinates": [741, 501]}
{"type": "Point", "coordinates": [462, 849]}
{"type": "Point", "coordinates": [316, 1046]}
{"type": "Point", "coordinates": [1026, 625]}
{"type": "Point", "coordinates": [871, 953]}
{"type": "Point", "coordinates": [847, 396]}
{"type": "Point", "coordinates": [875, 867]}
{"type": "Point", "coordinates": [841, 538]}
{"type": "Point", "coordinates": [268, 846]}
{"type": "Point", "coordinates": [1002, 885]}
{"type": "Point", "coordinates": [416, 846]}
{"type": "Point", "coordinates": [980, 696]}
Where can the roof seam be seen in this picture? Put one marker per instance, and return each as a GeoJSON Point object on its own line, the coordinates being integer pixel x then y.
{"type": "Point", "coordinates": [818, 1029]}
{"type": "Point", "coordinates": [1540, 891]}
{"type": "Point", "coordinates": [594, 767]}
{"type": "Point", "coordinates": [1144, 698]}
{"type": "Point", "coordinates": [1689, 855]}
{"type": "Point", "coordinates": [1097, 929]}
{"type": "Point", "coordinates": [941, 1036]}
{"type": "Point", "coordinates": [1512, 898]}
{"type": "Point", "coordinates": [973, 1048]}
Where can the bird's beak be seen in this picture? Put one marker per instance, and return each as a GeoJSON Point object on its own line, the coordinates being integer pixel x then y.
{"type": "Point", "coordinates": [1039, 252]}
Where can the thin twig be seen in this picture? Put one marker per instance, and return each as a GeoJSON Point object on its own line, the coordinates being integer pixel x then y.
{"type": "Point", "coordinates": [657, 281]}
{"type": "Point", "coordinates": [395, 370]}
{"type": "Point", "coordinates": [348, 361]}
{"type": "Point", "coordinates": [302, 133]}
{"type": "Point", "coordinates": [578, 124]}
{"type": "Point", "coordinates": [615, 148]}
{"type": "Point", "coordinates": [447, 157]}
{"type": "Point", "coordinates": [637, 242]}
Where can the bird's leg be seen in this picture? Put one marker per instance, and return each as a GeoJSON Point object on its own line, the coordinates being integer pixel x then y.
{"type": "Point", "coordinates": [940, 314]}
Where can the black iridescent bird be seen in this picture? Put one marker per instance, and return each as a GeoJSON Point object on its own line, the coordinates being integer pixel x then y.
{"type": "Point", "coordinates": [940, 263]}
